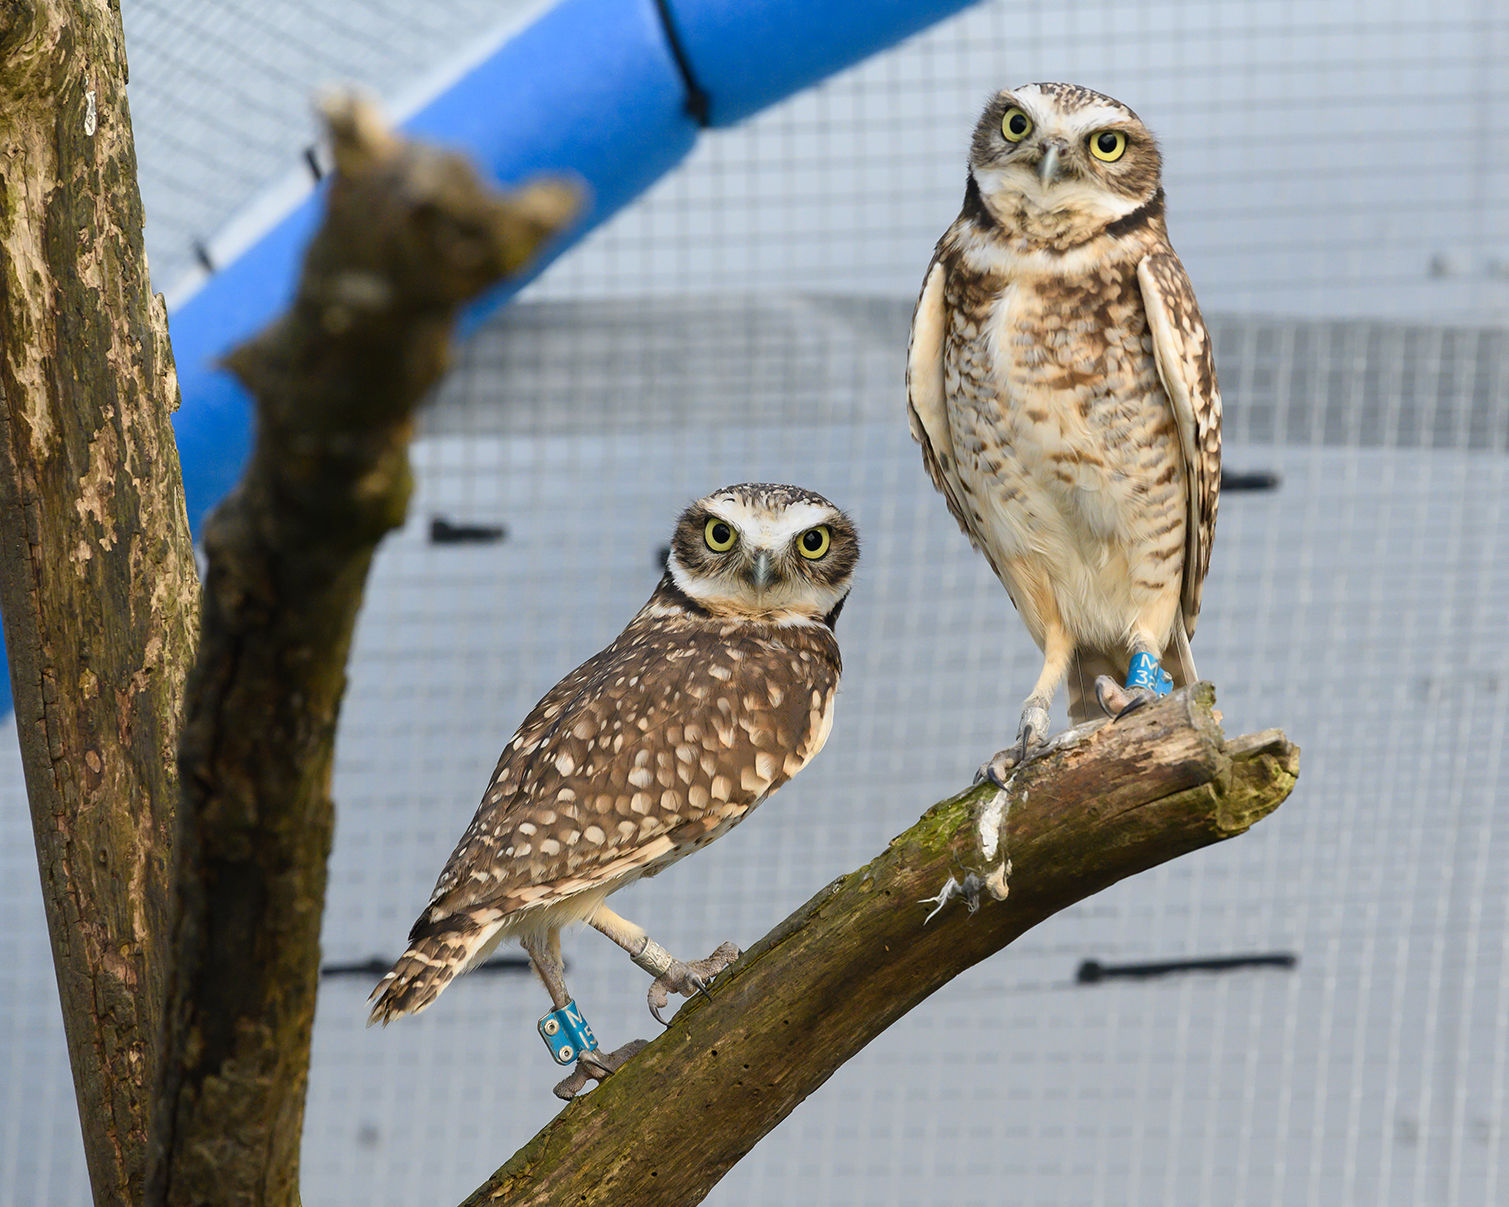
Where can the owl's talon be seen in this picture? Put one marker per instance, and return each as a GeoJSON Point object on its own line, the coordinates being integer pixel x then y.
{"type": "Point", "coordinates": [1117, 701]}
{"type": "Point", "coordinates": [1032, 731]}
{"type": "Point", "coordinates": [998, 770]}
{"type": "Point", "coordinates": [1031, 742]}
{"type": "Point", "coordinates": [596, 1066]}
{"type": "Point", "coordinates": [1141, 697]}
{"type": "Point", "coordinates": [1109, 695]}
{"type": "Point", "coordinates": [687, 979]}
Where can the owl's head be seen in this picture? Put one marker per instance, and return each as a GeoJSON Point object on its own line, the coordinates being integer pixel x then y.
{"type": "Point", "coordinates": [1059, 150]}
{"type": "Point", "coordinates": [765, 552]}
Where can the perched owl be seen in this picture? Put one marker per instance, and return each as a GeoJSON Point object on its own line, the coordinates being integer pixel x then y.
{"type": "Point", "coordinates": [1061, 386]}
{"type": "Point", "coordinates": [719, 690]}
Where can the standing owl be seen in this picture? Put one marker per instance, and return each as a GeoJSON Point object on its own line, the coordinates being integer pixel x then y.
{"type": "Point", "coordinates": [1061, 385]}
{"type": "Point", "coordinates": [719, 690]}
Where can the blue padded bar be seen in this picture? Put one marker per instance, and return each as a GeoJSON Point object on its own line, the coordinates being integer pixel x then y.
{"type": "Point", "coordinates": [747, 54]}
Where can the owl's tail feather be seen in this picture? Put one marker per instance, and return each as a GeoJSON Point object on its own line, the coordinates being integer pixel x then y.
{"type": "Point", "coordinates": [1087, 665]}
{"type": "Point", "coordinates": [439, 951]}
{"type": "Point", "coordinates": [1178, 660]}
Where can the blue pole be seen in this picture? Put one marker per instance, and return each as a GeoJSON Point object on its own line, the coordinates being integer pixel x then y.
{"type": "Point", "coordinates": [609, 91]}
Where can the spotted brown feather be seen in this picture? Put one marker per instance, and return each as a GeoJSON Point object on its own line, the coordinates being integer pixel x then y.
{"type": "Point", "coordinates": [672, 733]}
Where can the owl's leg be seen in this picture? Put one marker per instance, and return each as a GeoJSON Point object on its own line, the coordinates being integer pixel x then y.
{"type": "Point", "coordinates": [671, 975]}
{"type": "Point", "coordinates": [1058, 648]}
{"type": "Point", "coordinates": [1146, 680]}
{"type": "Point", "coordinates": [593, 1064]}
{"type": "Point", "coordinates": [548, 966]}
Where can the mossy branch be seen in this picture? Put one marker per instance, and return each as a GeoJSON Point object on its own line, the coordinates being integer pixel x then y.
{"type": "Point", "coordinates": [1126, 797]}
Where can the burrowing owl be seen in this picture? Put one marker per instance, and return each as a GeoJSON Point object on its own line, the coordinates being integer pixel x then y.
{"type": "Point", "coordinates": [718, 692]}
{"type": "Point", "coordinates": [1061, 385]}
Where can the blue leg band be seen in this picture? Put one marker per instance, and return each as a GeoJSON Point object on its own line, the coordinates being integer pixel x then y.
{"type": "Point", "coordinates": [1146, 672]}
{"type": "Point", "coordinates": [567, 1034]}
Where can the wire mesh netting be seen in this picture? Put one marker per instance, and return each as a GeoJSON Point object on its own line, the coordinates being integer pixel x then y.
{"type": "Point", "coordinates": [1338, 181]}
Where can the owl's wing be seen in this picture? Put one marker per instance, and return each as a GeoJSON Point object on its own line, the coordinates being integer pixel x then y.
{"type": "Point", "coordinates": [927, 404]}
{"type": "Point", "coordinates": [646, 751]}
{"type": "Point", "coordinates": [1181, 346]}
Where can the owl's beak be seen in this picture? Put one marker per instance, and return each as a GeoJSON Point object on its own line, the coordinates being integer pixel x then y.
{"type": "Point", "coordinates": [762, 573]}
{"type": "Point", "coordinates": [1047, 166]}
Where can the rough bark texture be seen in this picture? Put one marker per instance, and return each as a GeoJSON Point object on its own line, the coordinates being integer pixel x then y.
{"type": "Point", "coordinates": [668, 1125]}
{"type": "Point", "coordinates": [97, 580]}
{"type": "Point", "coordinates": [410, 234]}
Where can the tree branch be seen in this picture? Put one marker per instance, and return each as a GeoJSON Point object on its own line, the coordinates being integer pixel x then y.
{"type": "Point", "coordinates": [97, 578]}
{"type": "Point", "coordinates": [410, 234]}
{"type": "Point", "coordinates": [667, 1126]}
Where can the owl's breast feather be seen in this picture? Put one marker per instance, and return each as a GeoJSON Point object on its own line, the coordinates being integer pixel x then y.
{"type": "Point", "coordinates": [1049, 397]}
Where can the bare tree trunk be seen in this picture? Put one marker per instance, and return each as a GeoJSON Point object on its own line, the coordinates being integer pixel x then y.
{"type": "Point", "coordinates": [410, 234]}
{"type": "Point", "coordinates": [669, 1124]}
{"type": "Point", "coordinates": [97, 580]}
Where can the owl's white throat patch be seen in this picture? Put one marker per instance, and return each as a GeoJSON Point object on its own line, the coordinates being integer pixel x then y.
{"type": "Point", "coordinates": [1088, 200]}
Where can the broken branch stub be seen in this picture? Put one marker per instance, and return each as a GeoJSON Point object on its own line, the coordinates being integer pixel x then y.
{"type": "Point", "coordinates": [410, 234]}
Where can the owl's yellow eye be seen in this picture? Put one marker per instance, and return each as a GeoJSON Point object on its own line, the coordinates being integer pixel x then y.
{"type": "Point", "coordinates": [1015, 124]}
{"type": "Point", "coordinates": [814, 542]}
{"type": "Point", "coordinates": [1108, 146]}
{"type": "Point", "coordinates": [720, 537]}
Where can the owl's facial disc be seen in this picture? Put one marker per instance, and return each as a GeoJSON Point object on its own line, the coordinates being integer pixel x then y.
{"type": "Point", "coordinates": [1058, 161]}
{"type": "Point", "coordinates": [768, 553]}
